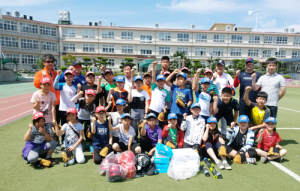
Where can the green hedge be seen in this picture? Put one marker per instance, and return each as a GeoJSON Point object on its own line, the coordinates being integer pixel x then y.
{"type": "Point", "coordinates": [63, 68]}
{"type": "Point", "coordinates": [287, 76]}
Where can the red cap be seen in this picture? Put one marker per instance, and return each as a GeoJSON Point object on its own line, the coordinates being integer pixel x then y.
{"type": "Point", "coordinates": [69, 72]}
{"type": "Point", "coordinates": [208, 70]}
{"type": "Point", "coordinates": [100, 108]}
{"type": "Point", "coordinates": [166, 72]}
{"type": "Point", "coordinates": [88, 73]}
{"type": "Point", "coordinates": [45, 80]}
{"type": "Point", "coordinates": [37, 115]}
{"type": "Point", "coordinates": [72, 110]}
{"type": "Point", "coordinates": [185, 68]}
{"type": "Point", "coordinates": [90, 92]}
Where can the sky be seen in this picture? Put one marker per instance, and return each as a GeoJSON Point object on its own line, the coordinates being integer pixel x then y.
{"type": "Point", "coordinates": [274, 15]}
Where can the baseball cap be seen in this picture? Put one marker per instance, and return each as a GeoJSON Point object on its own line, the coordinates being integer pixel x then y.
{"type": "Point", "coordinates": [243, 118]}
{"type": "Point", "coordinates": [125, 115]}
{"type": "Point", "coordinates": [212, 120]}
{"type": "Point", "coordinates": [69, 72]}
{"type": "Point", "coordinates": [195, 105]}
{"type": "Point", "coordinates": [184, 68]}
{"type": "Point", "coordinates": [88, 73]}
{"type": "Point", "coordinates": [120, 102]}
{"type": "Point", "coordinates": [100, 108]}
{"type": "Point", "coordinates": [271, 119]}
{"type": "Point", "coordinates": [138, 78]}
{"type": "Point", "coordinates": [166, 73]}
{"type": "Point", "coordinates": [108, 71]}
{"type": "Point", "coordinates": [208, 70]}
{"type": "Point", "coordinates": [182, 74]}
{"type": "Point", "coordinates": [45, 80]}
{"type": "Point", "coordinates": [160, 77]}
{"type": "Point", "coordinates": [172, 116]}
{"type": "Point", "coordinates": [151, 115]}
{"type": "Point", "coordinates": [222, 62]}
{"type": "Point", "coordinates": [72, 110]}
{"type": "Point", "coordinates": [120, 79]}
{"type": "Point", "coordinates": [90, 92]}
{"type": "Point", "coordinates": [249, 60]}
{"type": "Point", "coordinates": [76, 62]}
{"type": "Point", "coordinates": [147, 74]}
{"type": "Point", "coordinates": [205, 80]}
{"type": "Point", "coordinates": [37, 115]}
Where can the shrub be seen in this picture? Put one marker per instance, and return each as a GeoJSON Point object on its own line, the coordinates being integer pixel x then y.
{"type": "Point", "coordinates": [287, 76]}
{"type": "Point", "coordinates": [63, 68]}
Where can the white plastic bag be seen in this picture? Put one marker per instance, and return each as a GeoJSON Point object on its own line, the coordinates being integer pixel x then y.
{"type": "Point", "coordinates": [106, 163]}
{"type": "Point", "coordinates": [115, 173]}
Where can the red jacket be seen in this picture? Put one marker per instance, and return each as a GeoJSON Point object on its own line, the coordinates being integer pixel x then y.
{"type": "Point", "coordinates": [180, 135]}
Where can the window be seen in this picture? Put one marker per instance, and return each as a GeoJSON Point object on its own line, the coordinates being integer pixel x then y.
{"type": "Point", "coordinates": [88, 33]}
{"type": "Point", "coordinates": [49, 31]}
{"type": "Point", "coordinates": [163, 50]}
{"type": "Point", "coordinates": [164, 36]}
{"type": "Point", "coordinates": [29, 28]}
{"type": "Point", "coordinates": [201, 37]}
{"type": "Point", "coordinates": [200, 51]}
{"type": "Point", "coordinates": [146, 39]}
{"type": "Point", "coordinates": [111, 62]}
{"type": "Point", "coordinates": [52, 46]}
{"type": "Point", "coordinates": [236, 52]}
{"type": "Point", "coordinates": [146, 52]}
{"type": "Point", "coordinates": [88, 48]}
{"type": "Point", "coordinates": [266, 53]}
{"type": "Point", "coordinates": [126, 35]}
{"type": "Point", "coordinates": [253, 52]}
{"type": "Point", "coordinates": [108, 34]}
{"type": "Point", "coordinates": [108, 48]}
{"type": "Point", "coordinates": [296, 54]}
{"type": "Point", "coordinates": [8, 25]}
{"type": "Point", "coordinates": [219, 38]}
{"type": "Point", "coordinates": [254, 39]}
{"type": "Point", "coordinates": [127, 49]}
{"type": "Point", "coordinates": [228, 28]}
{"type": "Point", "coordinates": [53, 31]}
{"type": "Point", "coordinates": [183, 37]}
{"type": "Point", "coordinates": [281, 40]}
{"type": "Point", "coordinates": [268, 39]}
{"type": "Point", "coordinates": [29, 59]}
{"type": "Point", "coordinates": [68, 33]}
{"type": "Point", "coordinates": [218, 51]}
{"type": "Point", "coordinates": [12, 57]}
{"type": "Point", "coordinates": [296, 40]}
{"type": "Point", "coordinates": [29, 44]}
{"type": "Point", "coordinates": [184, 50]}
{"type": "Point", "coordinates": [9, 42]}
{"type": "Point", "coordinates": [69, 47]}
{"type": "Point", "coordinates": [280, 54]}
{"type": "Point", "coordinates": [236, 38]}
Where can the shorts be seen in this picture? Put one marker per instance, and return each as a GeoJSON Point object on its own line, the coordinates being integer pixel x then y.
{"type": "Point", "coordinates": [124, 147]}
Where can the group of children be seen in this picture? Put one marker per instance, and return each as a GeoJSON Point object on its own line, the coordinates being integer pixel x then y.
{"type": "Point", "coordinates": [154, 109]}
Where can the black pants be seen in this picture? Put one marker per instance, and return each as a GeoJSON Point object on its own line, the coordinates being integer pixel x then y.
{"type": "Point", "coordinates": [57, 114]}
{"type": "Point", "coordinates": [87, 126]}
{"type": "Point", "coordinates": [145, 143]}
{"type": "Point", "coordinates": [96, 156]}
{"type": "Point", "coordinates": [244, 109]}
{"type": "Point", "coordinates": [63, 120]}
{"type": "Point", "coordinates": [179, 119]}
{"type": "Point", "coordinates": [160, 123]}
{"type": "Point", "coordinates": [273, 111]}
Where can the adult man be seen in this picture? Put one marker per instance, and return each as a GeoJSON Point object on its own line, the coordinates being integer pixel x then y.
{"type": "Point", "coordinates": [273, 84]}
{"type": "Point", "coordinates": [245, 79]}
{"type": "Point", "coordinates": [79, 78]}
{"type": "Point", "coordinates": [128, 73]}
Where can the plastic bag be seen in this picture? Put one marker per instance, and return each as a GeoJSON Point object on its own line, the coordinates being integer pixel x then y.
{"type": "Point", "coordinates": [106, 163]}
{"type": "Point", "coordinates": [127, 157]}
{"type": "Point", "coordinates": [115, 173]}
{"type": "Point", "coordinates": [118, 156]}
{"type": "Point", "coordinates": [179, 170]}
{"type": "Point", "coordinates": [131, 170]}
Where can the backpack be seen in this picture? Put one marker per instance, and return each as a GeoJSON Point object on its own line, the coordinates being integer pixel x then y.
{"type": "Point", "coordinates": [144, 165]}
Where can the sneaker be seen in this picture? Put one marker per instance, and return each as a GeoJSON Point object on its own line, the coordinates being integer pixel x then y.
{"type": "Point", "coordinates": [92, 149]}
{"type": "Point", "coordinates": [264, 159]}
{"type": "Point", "coordinates": [220, 166]}
{"type": "Point", "coordinates": [279, 160]}
{"type": "Point", "coordinates": [251, 160]}
{"type": "Point", "coordinates": [227, 166]}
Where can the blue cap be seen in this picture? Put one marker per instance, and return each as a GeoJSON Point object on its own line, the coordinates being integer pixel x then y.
{"type": "Point", "coordinates": [195, 105]}
{"type": "Point", "coordinates": [271, 119]}
{"type": "Point", "coordinates": [138, 78]}
{"type": "Point", "coordinates": [212, 120]}
{"type": "Point", "coordinates": [182, 74]}
{"type": "Point", "coordinates": [120, 102]}
{"type": "Point", "coordinates": [172, 116]}
{"type": "Point", "coordinates": [120, 79]}
{"type": "Point", "coordinates": [124, 115]}
{"type": "Point", "coordinates": [205, 80]}
{"type": "Point", "coordinates": [151, 115]}
{"type": "Point", "coordinates": [244, 118]}
{"type": "Point", "coordinates": [160, 77]}
{"type": "Point", "coordinates": [249, 60]}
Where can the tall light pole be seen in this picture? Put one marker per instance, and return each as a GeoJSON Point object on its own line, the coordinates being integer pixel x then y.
{"type": "Point", "coordinates": [249, 13]}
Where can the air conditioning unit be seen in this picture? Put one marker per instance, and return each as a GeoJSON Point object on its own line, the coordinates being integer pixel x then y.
{"type": "Point", "coordinates": [24, 16]}
{"type": "Point", "coordinates": [100, 23]}
{"type": "Point", "coordinates": [8, 13]}
{"type": "Point", "coordinates": [30, 18]}
{"type": "Point", "coordinates": [16, 14]}
{"type": "Point", "coordinates": [193, 26]}
{"type": "Point", "coordinates": [90, 23]}
{"type": "Point", "coordinates": [292, 30]}
{"type": "Point", "coordinates": [286, 30]}
{"type": "Point", "coordinates": [96, 24]}
{"type": "Point", "coordinates": [64, 15]}
{"type": "Point", "coordinates": [156, 25]}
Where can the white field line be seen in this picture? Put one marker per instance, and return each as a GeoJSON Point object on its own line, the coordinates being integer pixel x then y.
{"type": "Point", "coordinates": [289, 172]}
{"type": "Point", "coordinates": [14, 99]}
{"type": "Point", "coordinates": [289, 109]}
{"type": "Point", "coordinates": [293, 92]}
{"type": "Point", "coordinates": [14, 106]}
{"type": "Point", "coordinates": [16, 115]}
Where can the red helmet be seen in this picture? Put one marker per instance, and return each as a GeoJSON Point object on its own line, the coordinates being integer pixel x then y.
{"type": "Point", "coordinates": [130, 170]}
{"type": "Point", "coordinates": [115, 173]}
{"type": "Point", "coordinates": [127, 157]}
{"type": "Point", "coordinates": [106, 163]}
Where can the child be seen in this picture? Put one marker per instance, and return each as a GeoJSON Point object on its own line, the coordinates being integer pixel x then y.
{"type": "Point", "coordinates": [223, 107]}
{"type": "Point", "coordinates": [116, 118]}
{"type": "Point", "coordinates": [102, 136]}
{"type": "Point", "coordinates": [241, 139]}
{"type": "Point", "coordinates": [259, 112]}
{"type": "Point", "coordinates": [105, 87]}
{"type": "Point", "coordinates": [127, 133]}
{"type": "Point", "coordinates": [204, 99]}
{"type": "Point", "coordinates": [139, 103]}
{"type": "Point", "coordinates": [267, 139]}
{"type": "Point", "coordinates": [150, 135]}
{"type": "Point", "coordinates": [212, 142]}
{"type": "Point", "coordinates": [212, 88]}
{"type": "Point", "coordinates": [147, 85]}
{"type": "Point", "coordinates": [182, 97]}
{"type": "Point", "coordinates": [172, 135]}
{"type": "Point", "coordinates": [193, 125]}
{"type": "Point", "coordinates": [38, 141]}
{"type": "Point", "coordinates": [117, 93]}
{"type": "Point", "coordinates": [73, 131]}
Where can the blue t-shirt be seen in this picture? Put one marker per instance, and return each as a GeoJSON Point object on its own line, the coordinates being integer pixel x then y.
{"type": "Point", "coordinates": [101, 137]}
{"type": "Point", "coordinates": [77, 79]}
{"type": "Point", "coordinates": [246, 80]}
{"type": "Point", "coordinates": [226, 109]}
{"type": "Point", "coordinates": [185, 94]}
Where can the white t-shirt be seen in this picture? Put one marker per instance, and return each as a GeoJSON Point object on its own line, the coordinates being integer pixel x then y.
{"type": "Point", "coordinates": [158, 98]}
{"type": "Point", "coordinates": [204, 99]}
{"type": "Point", "coordinates": [124, 137]}
{"type": "Point", "coordinates": [45, 104]}
{"type": "Point", "coordinates": [222, 81]}
{"type": "Point", "coordinates": [115, 120]}
{"type": "Point", "coordinates": [138, 103]}
{"type": "Point", "coordinates": [70, 137]}
{"type": "Point", "coordinates": [127, 82]}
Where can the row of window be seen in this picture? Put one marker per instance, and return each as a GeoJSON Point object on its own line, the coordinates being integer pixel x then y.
{"type": "Point", "coordinates": [28, 44]}
{"type": "Point", "coordinates": [25, 58]}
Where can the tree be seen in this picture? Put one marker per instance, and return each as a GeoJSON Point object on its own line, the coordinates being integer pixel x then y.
{"type": "Point", "coordinates": [241, 65]}
{"type": "Point", "coordinates": [87, 62]}
{"type": "Point", "coordinates": [39, 63]}
{"type": "Point", "coordinates": [174, 64]}
{"type": "Point", "coordinates": [197, 64]}
{"type": "Point", "coordinates": [235, 64]}
{"type": "Point", "coordinates": [68, 59]}
{"type": "Point", "coordinates": [102, 62]}
{"type": "Point", "coordinates": [128, 61]}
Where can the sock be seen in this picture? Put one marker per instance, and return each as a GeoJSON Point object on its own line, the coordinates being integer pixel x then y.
{"type": "Point", "coordinates": [48, 156]}
{"type": "Point", "coordinates": [217, 161]}
{"type": "Point", "coordinates": [224, 161]}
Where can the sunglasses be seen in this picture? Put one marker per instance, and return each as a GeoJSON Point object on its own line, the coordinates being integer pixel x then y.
{"type": "Point", "coordinates": [249, 63]}
{"type": "Point", "coordinates": [49, 61]}
{"type": "Point", "coordinates": [77, 66]}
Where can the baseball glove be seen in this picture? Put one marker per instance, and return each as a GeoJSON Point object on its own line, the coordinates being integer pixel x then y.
{"type": "Point", "coordinates": [142, 124]}
{"type": "Point", "coordinates": [181, 103]}
{"type": "Point", "coordinates": [106, 150]}
{"type": "Point", "coordinates": [66, 156]}
{"type": "Point", "coordinates": [161, 117]}
{"type": "Point", "coordinates": [240, 158]}
{"type": "Point", "coordinates": [89, 134]}
{"type": "Point", "coordinates": [212, 92]}
{"type": "Point", "coordinates": [171, 144]}
{"type": "Point", "coordinates": [273, 151]}
{"type": "Point", "coordinates": [222, 151]}
{"type": "Point", "coordinates": [45, 162]}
